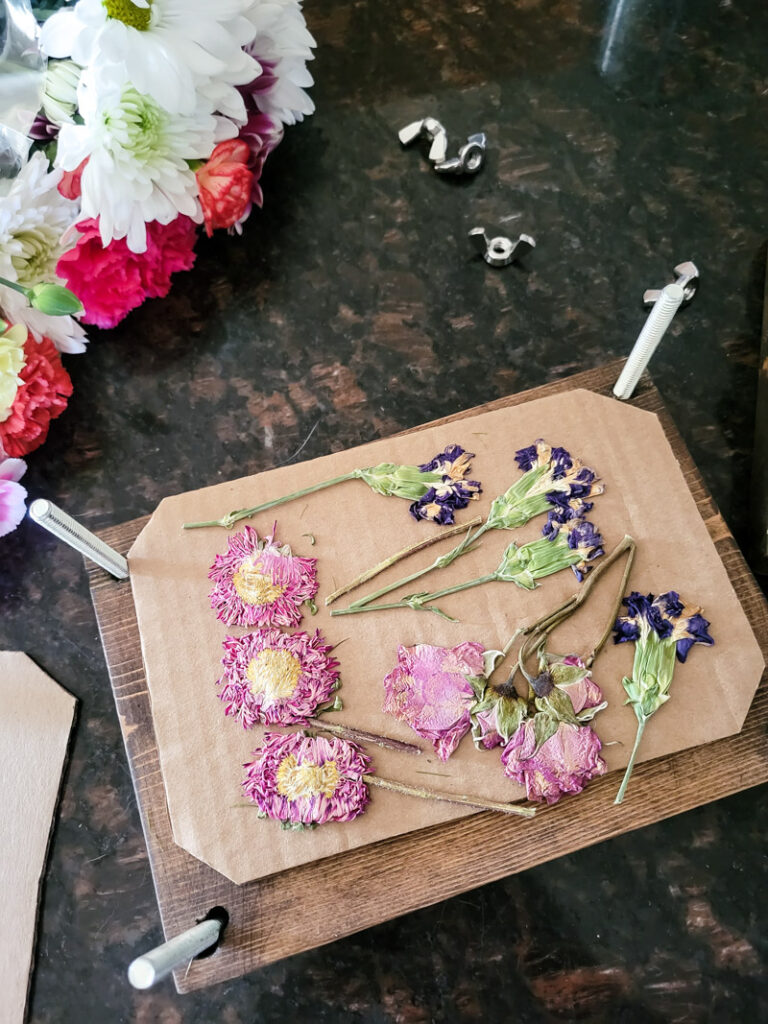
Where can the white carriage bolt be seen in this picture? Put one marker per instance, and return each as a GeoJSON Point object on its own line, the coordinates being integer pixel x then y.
{"type": "Point", "coordinates": [654, 328]}
{"type": "Point", "coordinates": [63, 526]}
{"type": "Point", "coordinates": [148, 969]}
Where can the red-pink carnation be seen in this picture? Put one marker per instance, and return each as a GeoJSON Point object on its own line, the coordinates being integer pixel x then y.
{"type": "Point", "coordinates": [40, 398]}
{"type": "Point", "coordinates": [111, 281]}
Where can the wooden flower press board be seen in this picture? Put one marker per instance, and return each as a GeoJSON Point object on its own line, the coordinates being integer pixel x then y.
{"type": "Point", "coordinates": [352, 890]}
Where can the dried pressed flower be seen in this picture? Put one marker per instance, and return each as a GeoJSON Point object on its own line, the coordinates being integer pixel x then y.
{"type": "Point", "coordinates": [563, 763]}
{"type": "Point", "coordinates": [260, 583]}
{"type": "Point", "coordinates": [431, 690]}
{"type": "Point", "coordinates": [663, 629]}
{"type": "Point", "coordinates": [305, 780]}
{"type": "Point", "coordinates": [276, 678]}
{"type": "Point", "coordinates": [435, 489]}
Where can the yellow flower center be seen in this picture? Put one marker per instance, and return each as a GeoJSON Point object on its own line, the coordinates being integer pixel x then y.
{"type": "Point", "coordinates": [129, 13]}
{"type": "Point", "coordinates": [254, 587]}
{"type": "Point", "coordinates": [274, 673]}
{"type": "Point", "coordinates": [296, 781]}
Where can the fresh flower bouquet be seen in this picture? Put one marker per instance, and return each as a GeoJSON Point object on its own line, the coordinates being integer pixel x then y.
{"type": "Point", "coordinates": [152, 118]}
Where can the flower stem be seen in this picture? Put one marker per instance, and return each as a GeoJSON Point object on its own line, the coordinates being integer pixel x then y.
{"type": "Point", "coordinates": [623, 788]}
{"type": "Point", "coordinates": [229, 520]}
{"type": "Point", "coordinates": [393, 559]}
{"type": "Point", "coordinates": [467, 544]}
{"type": "Point", "coordinates": [419, 602]}
{"type": "Point", "coordinates": [363, 736]}
{"type": "Point", "coordinates": [16, 287]}
{"type": "Point", "coordinates": [452, 798]}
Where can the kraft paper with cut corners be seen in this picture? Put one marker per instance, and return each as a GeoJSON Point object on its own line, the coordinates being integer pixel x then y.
{"type": "Point", "coordinates": [202, 752]}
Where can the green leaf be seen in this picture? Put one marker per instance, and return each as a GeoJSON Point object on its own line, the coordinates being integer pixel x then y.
{"type": "Point", "coordinates": [587, 714]}
{"type": "Point", "coordinates": [54, 300]}
{"type": "Point", "coordinates": [544, 726]}
{"type": "Point", "coordinates": [490, 660]}
{"type": "Point", "coordinates": [565, 674]}
{"type": "Point", "coordinates": [509, 715]}
{"type": "Point", "coordinates": [560, 706]}
{"type": "Point", "coordinates": [478, 685]}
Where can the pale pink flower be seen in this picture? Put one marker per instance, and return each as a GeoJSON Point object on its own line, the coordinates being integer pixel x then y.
{"type": "Point", "coordinates": [12, 494]}
{"type": "Point", "coordinates": [563, 764]}
{"type": "Point", "coordinates": [430, 690]}
{"type": "Point", "coordinates": [276, 678]}
{"type": "Point", "coordinates": [258, 583]}
{"type": "Point", "coordinates": [305, 780]}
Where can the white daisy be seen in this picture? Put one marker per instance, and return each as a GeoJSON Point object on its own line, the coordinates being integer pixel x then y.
{"type": "Point", "coordinates": [282, 44]}
{"type": "Point", "coordinates": [137, 152]}
{"type": "Point", "coordinates": [168, 49]}
{"type": "Point", "coordinates": [33, 219]}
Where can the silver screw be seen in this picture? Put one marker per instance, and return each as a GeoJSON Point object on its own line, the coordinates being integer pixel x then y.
{"type": "Point", "coordinates": [63, 526]}
{"type": "Point", "coordinates": [666, 302]}
{"type": "Point", "coordinates": [148, 969]}
{"type": "Point", "coordinates": [500, 251]}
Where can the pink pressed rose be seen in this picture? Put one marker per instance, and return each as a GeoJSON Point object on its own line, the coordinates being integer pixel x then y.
{"type": "Point", "coordinates": [563, 764]}
{"type": "Point", "coordinates": [487, 727]}
{"type": "Point", "coordinates": [12, 494]}
{"type": "Point", "coordinates": [111, 281]}
{"type": "Point", "coordinates": [430, 691]}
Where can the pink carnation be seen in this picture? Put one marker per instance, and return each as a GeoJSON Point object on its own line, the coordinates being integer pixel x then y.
{"type": "Point", "coordinates": [430, 690]}
{"type": "Point", "coordinates": [276, 678]}
{"type": "Point", "coordinates": [563, 764]}
{"type": "Point", "coordinates": [12, 494]}
{"type": "Point", "coordinates": [260, 583]}
{"type": "Point", "coordinates": [111, 281]}
{"type": "Point", "coordinates": [305, 780]}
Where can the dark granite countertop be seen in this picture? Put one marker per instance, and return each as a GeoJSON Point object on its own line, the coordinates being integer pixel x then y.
{"type": "Point", "coordinates": [625, 137]}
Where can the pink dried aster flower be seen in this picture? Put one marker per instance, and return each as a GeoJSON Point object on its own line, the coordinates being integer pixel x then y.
{"type": "Point", "coordinates": [564, 763]}
{"type": "Point", "coordinates": [258, 583]}
{"type": "Point", "coordinates": [276, 678]}
{"type": "Point", "coordinates": [305, 780]}
{"type": "Point", "coordinates": [431, 690]}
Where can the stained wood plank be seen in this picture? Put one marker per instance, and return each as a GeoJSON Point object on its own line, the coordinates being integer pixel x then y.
{"type": "Point", "coordinates": [355, 890]}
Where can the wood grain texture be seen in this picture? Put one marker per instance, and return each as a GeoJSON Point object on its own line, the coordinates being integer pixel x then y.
{"type": "Point", "coordinates": [320, 902]}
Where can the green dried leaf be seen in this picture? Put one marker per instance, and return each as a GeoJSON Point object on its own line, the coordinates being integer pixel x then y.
{"type": "Point", "coordinates": [562, 675]}
{"type": "Point", "coordinates": [490, 660]}
{"type": "Point", "coordinates": [560, 706]}
{"type": "Point", "coordinates": [544, 726]}
{"type": "Point", "coordinates": [510, 713]}
{"type": "Point", "coordinates": [478, 685]}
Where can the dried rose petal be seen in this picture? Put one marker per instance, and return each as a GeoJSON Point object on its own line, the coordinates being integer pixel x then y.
{"type": "Point", "coordinates": [563, 764]}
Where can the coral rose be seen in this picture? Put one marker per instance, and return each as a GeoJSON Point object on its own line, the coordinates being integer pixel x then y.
{"type": "Point", "coordinates": [41, 397]}
{"type": "Point", "coordinates": [111, 281]}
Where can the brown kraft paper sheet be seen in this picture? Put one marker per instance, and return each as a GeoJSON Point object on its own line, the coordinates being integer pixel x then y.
{"type": "Point", "coordinates": [202, 752]}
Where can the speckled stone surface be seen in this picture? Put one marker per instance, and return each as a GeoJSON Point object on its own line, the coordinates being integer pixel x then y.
{"type": "Point", "coordinates": [625, 137]}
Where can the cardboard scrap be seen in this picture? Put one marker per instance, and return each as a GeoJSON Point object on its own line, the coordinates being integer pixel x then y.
{"type": "Point", "coordinates": [35, 722]}
{"type": "Point", "coordinates": [202, 753]}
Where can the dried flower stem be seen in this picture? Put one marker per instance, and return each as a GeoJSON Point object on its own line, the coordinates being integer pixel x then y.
{"type": "Point", "coordinates": [363, 736]}
{"type": "Point", "coordinates": [452, 798]}
{"type": "Point", "coordinates": [229, 520]}
{"type": "Point", "coordinates": [411, 550]}
{"type": "Point", "coordinates": [538, 631]}
{"type": "Point", "coordinates": [623, 788]}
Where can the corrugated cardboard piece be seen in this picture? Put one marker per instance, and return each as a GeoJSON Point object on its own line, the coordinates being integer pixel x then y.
{"type": "Point", "coordinates": [202, 753]}
{"type": "Point", "coordinates": [35, 722]}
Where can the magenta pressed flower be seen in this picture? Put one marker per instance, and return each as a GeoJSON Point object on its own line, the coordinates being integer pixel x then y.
{"type": "Point", "coordinates": [431, 690]}
{"type": "Point", "coordinates": [276, 678]}
{"type": "Point", "coordinates": [258, 583]}
{"type": "Point", "coordinates": [564, 763]}
{"type": "Point", "coordinates": [304, 780]}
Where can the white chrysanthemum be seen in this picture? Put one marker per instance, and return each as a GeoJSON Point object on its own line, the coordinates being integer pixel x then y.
{"type": "Point", "coordinates": [168, 49]}
{"type": "Point", "coordinates": [137, 152]}
{"type": "Point", "coordinates": [282, 43]}
{"type": "Point", "coordinates": [60, 91]}
{"type": "Point", "coordinates": [33, 219]}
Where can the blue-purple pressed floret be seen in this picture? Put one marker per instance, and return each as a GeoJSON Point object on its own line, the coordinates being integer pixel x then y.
{"type": "Point", "coordinates": [665, 616]}
{"type": "Point", "coordinates": [447, 457]}
{"type": "Point", "coordinates": [526, 458]}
